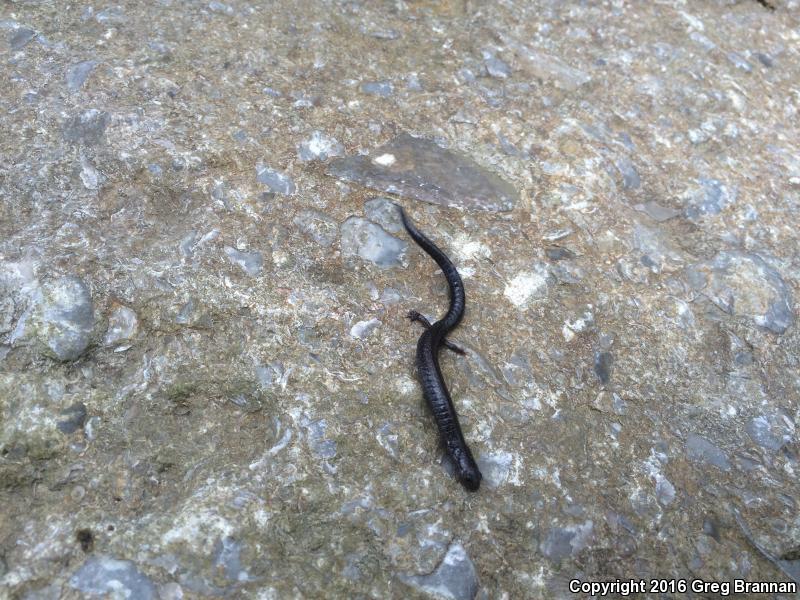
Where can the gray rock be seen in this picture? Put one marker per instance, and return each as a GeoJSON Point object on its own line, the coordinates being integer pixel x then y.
{"type": "Point", "coordinates": [317, 440]}
{"type": "Point", "coordinates": [700, 450]}
{"type": "Point", "coordinates": [77, 74]}
{"type": "Point", "coordinates": [111, 16]}
{"type": "Point", "coordinates": [495, 468]}
{"type": "Point", "coordinates": [72, 418]}
{"type": "Point", "coordinates": [657, 212]}
{"type": "Point", "coordinates": [227, 558]}
{"type": "Point", "coordinates": [370, 242]}
{"type": "Point", "coordinates": [562, 542]}
{"type": "Point", "coordinates": [318, 226]}
{"type": "Point", "coordinates": [745, 284]}
{"type": "Point", "coordinates": [546, 66]}
{"type": "Point", "coordinates": [111, 578]}
{"type": "Point", "coordinates": [378, 88]}
{"type": "Point", "coordinates": [630, 176]}
{"type": "Point", "coordinates": [384, 34]}
{"type": "Point", "coordinates": [384, 212]}
{"type": "Point", "coordinates": [319, 147]}
{"type": "Point", "coordinates": [420, 169]}
{"type": "Point", "coordinates": [220, 7]}
{"type": "Point", "coordinates": [558, 253]}
{"type": "Point", "coordinates": [122, 325]}
{"type": "Point", "coordinates": [363, 329]}
{"type": "Point", "coordinates": [65, 317]}
{"type": "Point", "coordinates": [740, 62]}
{"type": "Point", "coordinates": [497, 68]}
{"type": "Point", "coordinates": [454, 579]}
{"type": "Point", "coordinates": [19, 38]}
{"type": "Point", "coordinates": [250, 262]}
{"type": "Point", "coordinates": [602, 366]}
{"type": "Point", "coordinates": [772, 431]}
{"type": "Point", "coordinates": [711, 198]}
{"type": "Point", "coordinates": [278, 182]}
{"type": "Point", "coordinates": [87, 127]}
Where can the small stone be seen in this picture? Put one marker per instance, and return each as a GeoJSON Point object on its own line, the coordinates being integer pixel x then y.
{"type": "Point", "coordinates": [711, 198]}
{"type": "Point", "coordinates": [319, 147]}
{"type": "Point", "coordinates": [527, 286]}
{"type": "Point", "coordinates": [250, 262]}
{"type": "Point", "coordinates": [740, 62]}
{"type": "Point", "coordinates": [122, 326]}
{"type": "Point", "coordinates": [558, 253]}
{"type": "Point", "coordinates": [384, 212]}
{"type": "Point", "coordinates": [19, 38]}
{"type": "Point", "coordinates": [72, 418]}
{"type": "Point", "coordinates": [420, 169]}
{"type": "Point", "coordinates": [378, 88]}
{"type": "Point", "coordinates": [630, 176]}
{"type": "Point", "coordinates": [454, 579]}
{"type": "Point", "coordinates": [657, 212]}
{"type": "Point", "coordinates": [548, 67]}
{"type": "Point", "coordinates": [384, 34]}
{"type": "Point", "coordinates": [745, 284]}
{"type": "Point", "coordinates": [87, 127]}
{"type": "Point", "coordinates": [220, 7]}
{"type": "Point", "coordinates": [77, 74]}
{"type": "Point", "coordinates": [65, 317]}
{"type": "Point", "coordinates": [278, 182]}
{"type": "Point", "coordinates": [108, 577]}
{"type": "Point", "coordinates": [563, 542]}
{"type": "Point", "coordinates": [602, 366]}
{"type": "Point", "coordinates": [772, 432]}
{"type": "Point", "coordinates": [318, 226]}
{"type": "Point", "coordinates": [497, 68]}
{"type": "Point", "coordinates": [371, 242]}
{"type": "Point", "coordinates": [700, 450]}
{"type": "Point", "coordinates": [362, 329]}
{"type": "Point", "coordinates": [495, 468]}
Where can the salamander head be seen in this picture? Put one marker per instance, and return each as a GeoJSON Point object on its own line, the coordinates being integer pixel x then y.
{"type": "Point", "coordinates": [470, 479]}
{"type": "Point", "coordinates": [467, 471]}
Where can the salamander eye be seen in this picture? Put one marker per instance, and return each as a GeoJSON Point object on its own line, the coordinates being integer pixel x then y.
{"type": "Point", "coordinates": [471, 479]}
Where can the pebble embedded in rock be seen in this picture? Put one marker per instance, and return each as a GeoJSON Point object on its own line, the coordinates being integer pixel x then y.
{"type": "Point", "coordinates": [278, 182]}
{"type": "Point", "coordinates": [318, 226]}
{"type": "Point", "coordinates": [562, 542]}
{"type": "Point", "coordinates": [250, 262]}
{"type": "Point", "coordinates": [384, 212]}
{"type": "Point", "coordinates": [319, 147]}
{"type": "Point", "coordinates": [122, 325]}
{"type": "Point", "coordinates": [20, 37]}
{"type": "Point", "coordinates": [454, 579]}
{"type": "Point", "coordinates": [421, 169]}
{"type": "Point", "coordinates": [602, 366]}
{"type": "Point", "coordinates": [700, 450]}
{"type": "Point", "coordinates": [745, 284]}
{"type": "Point", "coordinates": [711, 198]}
{"type": "Point", "coordinates": [87, 127]}
{"type": "Point", "coordinates": [362, 329]}
{"type": "Point", "coordinates": [378, 88]}
{"type": "Point", "coordinates": [497, 68]}
{"type": "Point", "coordinates": [72, 418]}
{"type": "Point", "coordinates": [65, 317]}
{"type": "Point", "coordinates": [108, 577]}
{"type": "Point", "coordinates": [657, 212]}
{"type": "Point", "coordinates": [372, 243]}
{"type": "Point", "coordinates": [78, 73]}
{"type": "Point", "coordinates": [495, 468]}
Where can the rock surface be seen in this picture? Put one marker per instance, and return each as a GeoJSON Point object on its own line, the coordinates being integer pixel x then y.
{"type": "Point", "coordinates": [207, 382]}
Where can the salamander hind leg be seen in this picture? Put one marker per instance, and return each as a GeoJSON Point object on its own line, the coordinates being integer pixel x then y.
{"type": "Point", "coordinates": [413, 315]}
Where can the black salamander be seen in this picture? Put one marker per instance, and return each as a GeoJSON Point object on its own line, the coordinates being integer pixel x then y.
{"type": "Point", "coordinates": [430, 375]}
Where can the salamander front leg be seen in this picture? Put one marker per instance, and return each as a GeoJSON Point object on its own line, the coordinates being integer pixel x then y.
{"type": "Point", "coordinates": [419, 318]}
